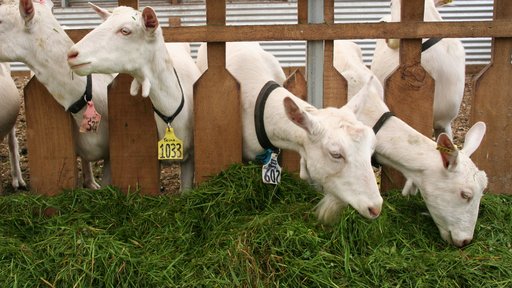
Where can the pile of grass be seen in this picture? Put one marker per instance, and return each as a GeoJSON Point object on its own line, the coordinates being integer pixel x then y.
{"type": "Point", "coordinates": [236, 231]}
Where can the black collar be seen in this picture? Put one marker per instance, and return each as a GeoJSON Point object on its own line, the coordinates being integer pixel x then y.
{"type": "Point", "coordinates": [381, 121]}
{"type": "Point", "coordinates": [259, 110]}
{"type": "Point", "coordinates": [383, 118]}
{"type": "Point", "coordinates": [86, 97]}
{"type": "Point", "coordinates": [169, 119]}
{"type": "Point", "coordinates": [429, 43]}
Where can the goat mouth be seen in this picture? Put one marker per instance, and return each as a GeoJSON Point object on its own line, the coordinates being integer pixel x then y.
{"type": "Point", "coordinates": [78, 66]}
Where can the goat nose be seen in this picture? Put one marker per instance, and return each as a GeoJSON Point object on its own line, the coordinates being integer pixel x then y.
{"type": "Point", "coordinates": [374, 211]}
{"type": "Point", "coordinates": [465, 242]}
{"type": "Point", "coordinates": [72, 54]}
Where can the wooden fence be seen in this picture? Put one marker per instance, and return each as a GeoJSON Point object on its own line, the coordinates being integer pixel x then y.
{"type": "Point", "coordinates": [133, 134]}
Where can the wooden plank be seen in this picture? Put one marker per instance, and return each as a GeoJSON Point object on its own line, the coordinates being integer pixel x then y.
{"type": "Point", "coordinates": [335, 85]}
{"type": "Point", "coordinates": [218, 127]}
{"type": "Point", "coordinates": [302, 11]}
{"type": "Point", "coordinates": [470, 69]}
{"type": "Point", "coordinates": [24, 73]}
{"type": "Point", "coordinates": [216, 13]}
{"type": "Point", "coordinates": [339, 31]}
{"type": "Point", "coordinates": [134, 166]}
{"type": "Point", "coordinates": [492, 103]}
{"type": "Point", "coordinates": [133, 139]}
{"type": "Point", "coordinates": [174, 21]}
{"type": "Point", "coordinates": [296, 84]}
{"type": "Point", "coordinates": [500, 28]}
{"type": "Point", "coordinates": [409, 91]}
{"type": "Point", "coordinates": [130, 3]}
{"type": "Point", "coordinates": [51, 149]}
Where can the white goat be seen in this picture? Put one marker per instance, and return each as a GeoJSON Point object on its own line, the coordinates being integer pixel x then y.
{"type": "Point", "coordinates": [10, 106]}
{"type": "Point", "coordinates": [335, 145]}
{"type": "Point", "coordinates": [131, 42]}
{"type": "Point", "coordinates": [444, 61]}
{"type": "Point", "coordinates": [127, 30]}
{"type": "Point", "coordinates": [448, 180]}
{"type": "Point", "coordinates": [30, 33]}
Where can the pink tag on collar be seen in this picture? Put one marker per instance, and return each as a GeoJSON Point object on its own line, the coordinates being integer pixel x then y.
{"type": "Point", "coordinates": [90, 119]}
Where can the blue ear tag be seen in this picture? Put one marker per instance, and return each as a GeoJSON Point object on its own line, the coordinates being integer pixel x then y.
{"type": "Point", "coordinates": [271, 171]}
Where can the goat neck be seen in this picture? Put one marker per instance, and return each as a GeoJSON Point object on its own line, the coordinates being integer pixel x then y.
{"type": "Point", "coordinates": [280, 131]}
{"type": "Point", "coordinates": [48, 61]}
{"type": "Point", "coordinates": [395, 137]}
{"type": "Point", "coordinates": [430, 12]}
{"type": "Point", "coordinates": [165, 92]}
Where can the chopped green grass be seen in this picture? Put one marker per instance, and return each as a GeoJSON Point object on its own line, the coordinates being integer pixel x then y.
{"type": "Point", "coordinates": [235, 231]}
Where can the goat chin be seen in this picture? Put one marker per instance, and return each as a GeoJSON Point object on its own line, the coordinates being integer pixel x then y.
{"type": "Point", "coordinates": [328, 209]}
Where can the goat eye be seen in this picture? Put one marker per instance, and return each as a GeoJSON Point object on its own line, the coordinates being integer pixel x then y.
{"type": "Point", "coordinates": [336, 155]}
{"type": "Point", "coordinates": [125, 31]}
{"type": "Point", "coordinates": [466, 195]}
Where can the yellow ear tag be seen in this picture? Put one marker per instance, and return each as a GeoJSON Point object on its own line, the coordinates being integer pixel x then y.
{"type": "Point", "coordinates": [446, 149]}
{"type": "Point", "coordinates": [170, 147]}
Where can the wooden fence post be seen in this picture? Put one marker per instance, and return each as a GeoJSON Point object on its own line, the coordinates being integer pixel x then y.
{"type": "Point", "coordinates": [335, 85]}
{"type": "Point", "coordinates": [51, 149]}
{"type": "Point", "coordinates": [174, 21]}
{"type": "Point", "coordinates": [296, 83]}
{"type": "Point", "coordinates": [218, 127]}
{"type": "Point", "coordinates": [409, 91]}
{"type": "Point", "coordinates": [133, 136]}
{"type": "Point", "coordinates": [130, 3]}
{"type": "Point", "coordinates": [492, 103]}
{"type": "Point", "coordinates": [133, 139]}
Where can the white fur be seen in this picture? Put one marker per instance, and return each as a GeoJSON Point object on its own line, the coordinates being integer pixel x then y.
{"type": "Point", "coordinates": [319, 135]}
{"type": "Point", "coordinates": [403, 148]}
{"type": "Point", "coordinates": [38, 40]}
{"type": "Point", "coordinates": [445, 62]}
{"type": "Point", "coordinates": [144, 55]}
{"type": "Point", "coordinates": [10, 102]}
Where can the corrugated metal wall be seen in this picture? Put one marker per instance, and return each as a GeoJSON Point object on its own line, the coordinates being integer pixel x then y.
{"type": "Point", "coordinates": [289, 53]}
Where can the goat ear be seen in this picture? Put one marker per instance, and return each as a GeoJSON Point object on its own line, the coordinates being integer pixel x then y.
{"type": "Point", "coordinates": [149, 19]}
{"type": "Point", "coordinates": [439, 3]}
{"type": "Point", "coordinates": [296, 84]}
{"type": "Point", "coordinates": [474, 138]}
{"type": "Point", "coordinates": [103, 13]}
{"type": "Point", "coordinates": [27, 11]}
{"type": "Point", "coordinates": [301, 118]}
{"type": "Point", "coordinates": [447, 150]}
{"type": "Point", "coordinates": [357, 102]}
